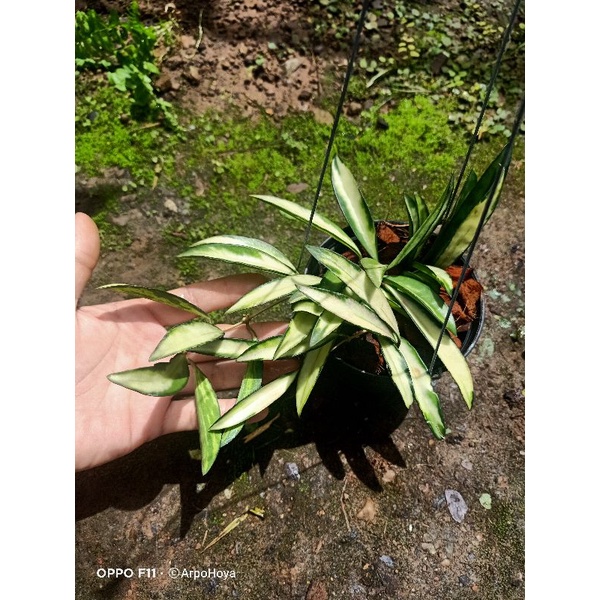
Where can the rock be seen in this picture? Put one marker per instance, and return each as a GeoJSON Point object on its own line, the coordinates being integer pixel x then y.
{"type": "Point", "coordinates": [368, 511]}
{"type": "Point", "coordinates": [323, 117]}
{"type": "Point", "coordinates": [388, 476]}
{"type": "Point", "coordinates": [456, 505]}
{"type": "Point", "coordinates": [304, 95]}
{"type": "Point", "coordinates": [291, 65]}
{"type": "Point", "coordinates": [296, 188]}
{"type": "Point", "coordinates": [428, 547]}
{"type": "Point", "coordinates": [193, 75]}
{"type": "Point", "coordinates": [387, 560]}
{"type": "Point", "coordinates": [354, 109]}
{"type": "Point", "coordinates": [187, 41]}
{"type": "Point", "coordinates": [170, 205]}
{"type": "Point", "coordinates": [291, 470]}
{"type": "Point", "coordinates": [164, 83]}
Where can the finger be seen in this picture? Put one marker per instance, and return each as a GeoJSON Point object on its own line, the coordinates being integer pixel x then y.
{"type": "Point", "coordinates": [87, 251]}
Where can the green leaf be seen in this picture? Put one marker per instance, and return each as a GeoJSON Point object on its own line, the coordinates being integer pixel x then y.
{"type": "Point", "coordinates": [298, 331]}
{"type": "Point", "coordinates": [438, 274]}
{"type": "Point", "coordinates": [272, 290]}
{"type": "Point", "coordinates": [353, 206]}
{"type": "Point", "coordinates": [207, 412]}
{"type": "Point", "coordinates": [224, 347]}
{"type": "Point", "coordinates": [349, 310]}
{"type": "Point", "coordinates": [359, 282]}
{"type": "Point", "coordinates": [251, 405]}
{"type": "Point", "coordinates": [312, 365]}
{"type": "Point", "coordinates": [374, 269]}
{"type": "Point", "coordinates": [184, 337]}
{"type": "Point", "coordinates": [242, 250]}
{"type": "Point", "coordinates": [250, 383]}
{"type": "Point", "coordinates": [262, 350]}
{"type": "Point", "coordinates": [398, 370]}
{"type": "Point", "coordinates": [157, 295]}
{"type": "Point", "coordinates": [161, 379]}
{"type": "Point", "coordinates": [448, 351]}
{"type": "Point", "coordinates": [426, 398]}
{"type": "Point", "coordinates": [458, 231]}
{"type": "Point", "coordinates": [319, 222]}
{"type": "Point", "coordinates": [424, 295]}
{"type": "Point", "coordinates": [422, 235]}
{"type": "Point", "coordinates": [326, 324]}
{"type": "Point", "coordinates": [417, 211]}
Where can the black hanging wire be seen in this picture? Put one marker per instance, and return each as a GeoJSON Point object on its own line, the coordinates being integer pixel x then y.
{"type": "Point", "coordinates": [501, 172]}
{"type": "Point", "coordinates": [336, 121]}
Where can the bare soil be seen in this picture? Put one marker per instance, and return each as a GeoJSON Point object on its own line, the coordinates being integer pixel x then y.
{"type": "Point", "coordinates": [340, 513]}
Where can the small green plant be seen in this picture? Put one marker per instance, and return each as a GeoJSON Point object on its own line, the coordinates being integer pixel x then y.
{"type": "Point", "coordinates": [125, 50]}
{"type": "Point", "coordinates": [357, 292]}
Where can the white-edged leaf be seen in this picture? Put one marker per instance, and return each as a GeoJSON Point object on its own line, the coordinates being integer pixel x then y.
{"type": "Point", "coordinates": [272, 290]}
{"type": "Point", "coordinates": [427, 399]}
{"type": "Point", "coordinates": [326, 324]}
{"type": "Point", "coordinates": [353, 206]}
{"type": "Point", "coordinates": [349, 310]}
{"type": "Point", "coordinates": [262, 350]}
{"type": "Point", "coordinates": [359, 282]}
{"type": "Point", "coordinates": [312, 365]}
{"type": "Point", "coordinates": [157, 295]}
{"type": "Point", "coordinates": [438, 274]}
{"type": "Point", "coordinates": [224, 347]}
{"type": "Point", "coordinates": [374, 269]}
{"type": "Point", "coordinates": [251, 405]}
{"type": "Point", "coordinates": [448, 352]}
{"type": "Point", "coordinates": [241, 250]}
{"type": "Point", "coordinates": [250, 383]}
{"type": "Point", "coordinates": [298, 331]}
{"type": "Point", "coordinates": [207, 412]}
{"type": "Point", "coordinates": [420, 292]}
{"type": "Point", "coordinates": [398, 369]}
{"type": "Point", "coordinates": [181, 338]}
{"type": "Point", "coordinates": [319, 222]}
{"type": "Point", "coordinates": [161, 379]}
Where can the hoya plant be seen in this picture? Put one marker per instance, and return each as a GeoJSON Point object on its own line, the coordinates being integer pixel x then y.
{"type": "Point", "coordinates": [354, 291]}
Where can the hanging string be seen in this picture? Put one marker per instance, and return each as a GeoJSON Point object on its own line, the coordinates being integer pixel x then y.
{"type": "Point", "coordinates": [488, 92]}
{"type": "Point", "coordinates": [501, 172]}
{"type": "Point", "coordinates": [336, 120]}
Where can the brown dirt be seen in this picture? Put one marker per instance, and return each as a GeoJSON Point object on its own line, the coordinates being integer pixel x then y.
{"type": "Point", "coordinates": [366, 515]}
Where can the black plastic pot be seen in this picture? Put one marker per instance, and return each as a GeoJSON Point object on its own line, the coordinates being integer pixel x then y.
{"type": "Point", "coordinates": [351, 400]}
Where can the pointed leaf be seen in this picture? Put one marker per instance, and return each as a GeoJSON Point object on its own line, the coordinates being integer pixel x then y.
{"type": "Point", "coordinates": [224, 347]}
{"type": "Point", "coordinates": [398, 370]}
{"type": "Point", "coordinates": [448, 351]}
{"type": "Point", "coordinates": [161, 379]}
{"type": "Point", "coordinates": [353, 206]}
{"type": "Point", "coordinates": [424, 295]}
{"type": "Point", "coordinates": [251, 405]}
{"type": "Point", "coordinates": [157, 295]}
{"type": "Point", "coordinates": [185, 336]}
{"type": "Point", "coordinates": [417, 211]}
{"type": "Point", "coordinates": [423, 234]}
{"type": "Point", "coordinates": [250, 383]}
{"type": "Point", "coordinates": [440, 275]}
{"type": "Point", "coordinates": [272, 290]}
{"type": "Point", "coordinates": [348, 309]}
{"type": "Point", "coordinates": [326, 324]}
{"type": "Point", "coordinates": [426, 398]}
{"type": "Point", "coordinates": [359, 282]}
{"type": "Point", "coordinates": [245, 251]}
{"type": "Point", "coordinates": [262, 350]}
{"type": "Point", "coordinates": [312, 365]}
{"type": "Point", "coordinates": [298, 331]}
{"type": "Point", "coordinates": [207, 412]}
{"type": "Point", "coordinates": [319, 222]}
{"type": "Point", "coordinates": [374, 269]}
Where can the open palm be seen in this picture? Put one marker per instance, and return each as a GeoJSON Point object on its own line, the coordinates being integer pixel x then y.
{"type": "Point", "coordinates": [110, 420]}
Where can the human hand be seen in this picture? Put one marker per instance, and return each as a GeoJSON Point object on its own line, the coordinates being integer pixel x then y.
{"type": "Point", "coordinates": [111, 420]}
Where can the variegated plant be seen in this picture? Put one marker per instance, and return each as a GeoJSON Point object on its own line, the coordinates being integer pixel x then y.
{"type": "Point", "coordinates": [361, 296]}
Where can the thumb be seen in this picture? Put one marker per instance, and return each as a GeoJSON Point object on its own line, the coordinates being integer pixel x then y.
{"type": "Point", "coordinates": [87, 251]}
